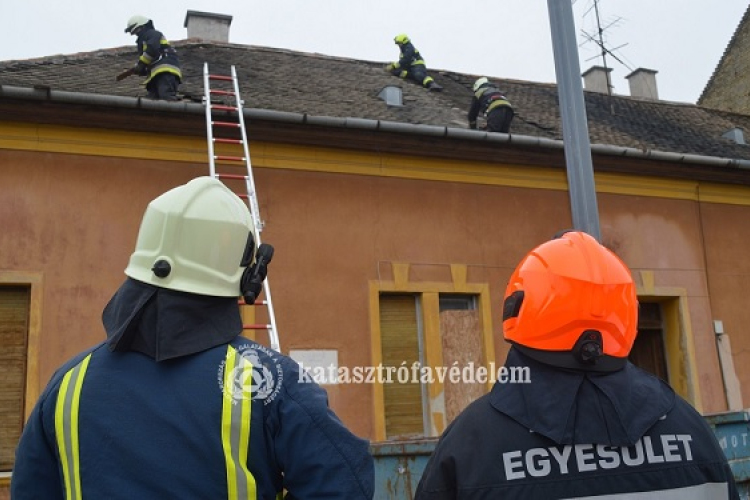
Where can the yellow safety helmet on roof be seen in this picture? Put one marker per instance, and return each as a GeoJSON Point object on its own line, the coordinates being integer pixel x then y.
{"type": "Point", "coordinates": [196, 238]}
{"type": "Point", "coordinates": [136, 22]}
{"type": "Point", "coordinates": [401, 39]}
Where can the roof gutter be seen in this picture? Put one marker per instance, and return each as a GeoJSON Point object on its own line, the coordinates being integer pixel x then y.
{"type": "Point", "coordinates": [61, 96]}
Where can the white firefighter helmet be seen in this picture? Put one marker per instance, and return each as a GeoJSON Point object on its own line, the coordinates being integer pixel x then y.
{"type": "Point", "coordinates": [136, 22]}
{"type": "Point", "coordinates": [195, 238]}
{"type": "Point", "coordinates": [481, 81]}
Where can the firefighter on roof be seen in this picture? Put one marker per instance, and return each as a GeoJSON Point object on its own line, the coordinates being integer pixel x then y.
{"type": "Point", "coordinates": [489, 101]}
{"type": "Point", "coordinates": [157, 60]}
{"type": "Point", "coordinates": [175, 404]}
{"type": "Point", "coordinates": [411, 65]}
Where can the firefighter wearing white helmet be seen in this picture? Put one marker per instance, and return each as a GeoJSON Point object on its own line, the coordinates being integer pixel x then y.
{"type": "Point", "coordinates": [175, 402]}
{"type": "Point", "coordinates": [410, 64]}
{"type": "Point", "coordinates": [136, 22]}
{"type": "Point", "coordinates": [157, 60]}
{"type": "Point", "coordinates": [492, 104]}
{"type": "Point", "coordinates": [194, 239]}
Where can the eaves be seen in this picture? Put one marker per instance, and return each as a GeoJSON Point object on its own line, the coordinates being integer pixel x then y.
{"type": "Point", "coordinates": [135, 113]}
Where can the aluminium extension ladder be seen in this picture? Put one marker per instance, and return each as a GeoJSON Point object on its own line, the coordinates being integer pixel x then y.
{"type": "Point", "coordinates": [234, 121]}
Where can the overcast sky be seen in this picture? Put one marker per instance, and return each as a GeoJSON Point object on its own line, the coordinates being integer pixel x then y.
{"type": "Point", "coordinates": [681, 39]}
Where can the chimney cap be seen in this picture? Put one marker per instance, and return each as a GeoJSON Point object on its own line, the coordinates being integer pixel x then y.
{"type": "Point", "coordinates": [596, 68]}
{"type": "Point", "coordinates": [198, 13]}
{"type": "Point", "coordinates": [640, 70]}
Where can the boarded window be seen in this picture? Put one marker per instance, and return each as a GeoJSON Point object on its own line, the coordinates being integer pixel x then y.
{"type": "Point", "coordinates": [461, 338]}
{"type": "Point", "coordinates": [648, 349]}
{"type": "Point", "coordinates": [400, 344]}
{"type": "Point", "coordinates": [14, 325]}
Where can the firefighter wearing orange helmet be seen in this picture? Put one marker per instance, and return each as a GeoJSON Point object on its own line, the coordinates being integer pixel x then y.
{"type": "Point", "coordinates": [583, 421]}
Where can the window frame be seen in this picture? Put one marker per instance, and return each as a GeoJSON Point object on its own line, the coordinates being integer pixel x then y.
{"type": "Point", "coordinates": [31, 383]}
{"type": "Point", "coordinates": [429, 292]}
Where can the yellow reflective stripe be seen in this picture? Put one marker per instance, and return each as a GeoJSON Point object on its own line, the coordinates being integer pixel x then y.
{"type": "Point", "coordinates": [60, 433]}
{"type": "Point", "coordinates": [235, 425]}
{"type": "Point", "coordinates": [66, 427]}
{"type": "Point", "coordinates": [496, 103]}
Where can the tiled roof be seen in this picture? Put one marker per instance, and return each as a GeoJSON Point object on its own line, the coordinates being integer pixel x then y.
{"type": "Point", "coordinates": [283, 80]}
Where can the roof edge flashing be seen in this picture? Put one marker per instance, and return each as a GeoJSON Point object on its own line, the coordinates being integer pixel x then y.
{"type": "Point", "coordinates": [30, 93]}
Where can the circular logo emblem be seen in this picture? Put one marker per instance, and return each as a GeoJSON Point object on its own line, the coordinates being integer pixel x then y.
{"type": "Point", "coordinates": [256, 374]}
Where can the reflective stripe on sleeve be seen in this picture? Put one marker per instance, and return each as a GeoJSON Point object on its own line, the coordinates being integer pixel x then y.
{"type": "Point", "coordinates": [66, 427]}
{"type": "Point", "coordinates": [235, 425]}
{"type": "Point", "coordinates": [704, 491]}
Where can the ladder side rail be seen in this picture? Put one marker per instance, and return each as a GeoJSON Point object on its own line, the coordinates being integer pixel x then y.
{"type": "Point", "coordinates": [209, 120]}
{"type": "Point", "coordinates": [273, 333]}
{"type": "Point", "coordinates": [252, 196]}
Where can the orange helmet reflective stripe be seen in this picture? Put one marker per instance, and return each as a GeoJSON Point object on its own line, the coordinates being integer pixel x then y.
{"type": "Point", "coordinates": [568, 286]}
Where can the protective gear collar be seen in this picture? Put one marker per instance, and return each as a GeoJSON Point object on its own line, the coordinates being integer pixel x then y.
{"type": "Point", "coordinates": [569, 407]}
{"type": "Point", "coordinates": [165, 324]}
{"type": "Point", "coordinates": [571, 295]}
{"type": "Point", "coordinates": [136, 22]}
{"type": "Point", "coordinates": [192, 239]}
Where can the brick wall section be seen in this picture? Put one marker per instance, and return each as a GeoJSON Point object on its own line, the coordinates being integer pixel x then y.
{"type": "Point", "coordinates": [729, 86]}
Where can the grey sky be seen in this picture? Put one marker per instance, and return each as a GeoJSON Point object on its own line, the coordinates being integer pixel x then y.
{"type": "Point", "coordinates": [681, 39]}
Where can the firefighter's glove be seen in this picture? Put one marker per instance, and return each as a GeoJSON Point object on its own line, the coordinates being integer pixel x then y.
{"type": "Point", "coordinates": [403, 74]}
{"type": "Point", "coordinates": [140, 69]}
{"type": "Point", "coordinates": [390, 67]}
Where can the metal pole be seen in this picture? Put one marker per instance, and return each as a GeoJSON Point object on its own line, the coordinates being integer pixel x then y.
{"type": "Point", "coordinates": [573, 111]}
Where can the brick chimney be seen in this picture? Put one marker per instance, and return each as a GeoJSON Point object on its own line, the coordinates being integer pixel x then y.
{"type": "Point", "coordinates": [643, 84]}
{"type": "Point", "coordinates": [208, 26]}
{"type": "Point", "coordinates": [597, 79]}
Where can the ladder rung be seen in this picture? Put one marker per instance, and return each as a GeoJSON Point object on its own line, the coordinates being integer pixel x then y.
{"type": "Point", "coordinates": [224, 107]}
{"type": "Point", "coordinates": [232, 176]}
{"type": "Point", "coordinates": [227, 141]}
{"type": "Point", "coordinates": [222, 92]}
{"type": "Point", "coordinates": [257, 327]}
{"type": "Point", "coordinates": [229, 158]}
{"type": "Point", "coordinates": [226, 124]}
{"type": "Point", "coordinates": [220, 77]}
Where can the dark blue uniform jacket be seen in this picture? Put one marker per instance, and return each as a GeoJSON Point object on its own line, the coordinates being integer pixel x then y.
{"type": "Point", "coordinates": [578, 435]}
{"type": "Point", "coordinates": [152, 430]}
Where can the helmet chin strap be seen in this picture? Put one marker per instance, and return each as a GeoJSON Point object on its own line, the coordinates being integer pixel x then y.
{"type": "Point", "coordinates": [586, 355]}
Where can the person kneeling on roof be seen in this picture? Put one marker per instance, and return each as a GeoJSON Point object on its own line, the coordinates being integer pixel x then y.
{"type": "Point", "coordinates": [492, 104]}
{"type": "Point", "coordinates": [411, 65]}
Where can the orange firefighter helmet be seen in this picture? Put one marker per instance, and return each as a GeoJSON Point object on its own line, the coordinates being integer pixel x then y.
{"type": "Point", "coordinates": [571, 302]}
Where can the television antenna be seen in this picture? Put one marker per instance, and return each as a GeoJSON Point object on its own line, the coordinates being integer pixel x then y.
{"type": "Point", "coordinates": [599, 40]}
